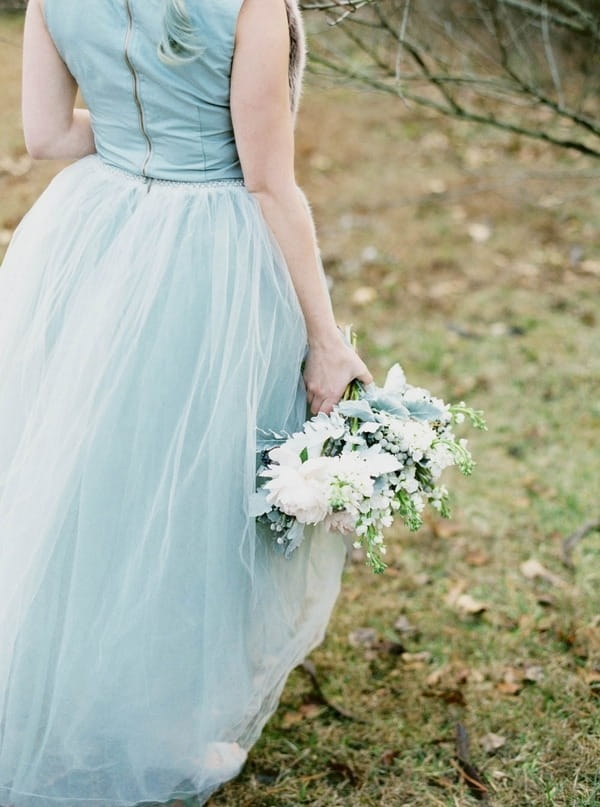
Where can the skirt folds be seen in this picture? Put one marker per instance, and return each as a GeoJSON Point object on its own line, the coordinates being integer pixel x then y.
{"type": "Point", "coordinates": [145, 333]}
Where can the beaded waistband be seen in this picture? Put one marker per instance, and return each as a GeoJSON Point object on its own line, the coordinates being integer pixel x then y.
{"type": "Point", "coordinates": [182, 184]}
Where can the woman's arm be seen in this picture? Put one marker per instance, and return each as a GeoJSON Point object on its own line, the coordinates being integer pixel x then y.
{"type": "Point", "coordinates": [263, 125]}
{"type": "Point", "coordinates": [53, 129]}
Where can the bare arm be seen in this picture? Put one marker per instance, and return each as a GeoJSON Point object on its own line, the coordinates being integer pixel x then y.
{"type": "Point", "coordinates": [53, 129]}
{"type": "Point", "coordinates": [264, 135]}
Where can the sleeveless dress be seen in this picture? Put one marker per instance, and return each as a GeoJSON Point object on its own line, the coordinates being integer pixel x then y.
{"type": "Point", "coordinates": [148, 329]}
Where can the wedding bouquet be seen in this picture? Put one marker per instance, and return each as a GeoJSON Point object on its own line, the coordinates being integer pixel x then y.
{"type": "Point", "coordinates": [377, 455]}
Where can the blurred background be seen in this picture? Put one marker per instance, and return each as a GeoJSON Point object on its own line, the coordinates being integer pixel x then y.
{"type": "Point", "coordinates": [451, 154]}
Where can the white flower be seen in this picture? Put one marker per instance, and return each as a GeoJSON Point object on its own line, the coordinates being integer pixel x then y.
{"type": "Point", "coordinates": [395, 382]}
{"type": "Point", "coordinates": [288, 454]}
{"type": "Point", "coordinates": [342, 522]}
{"type": "Point", "coordinates": [321, 428]}
{"type": "Point", "coordinates": [415, 436]}
{"type": "Point", "coordinates": [440, 457]}
{"type": "Point", "coordinates": [300, 491]}
{"type": "Point", "coordinates": [409, 484]}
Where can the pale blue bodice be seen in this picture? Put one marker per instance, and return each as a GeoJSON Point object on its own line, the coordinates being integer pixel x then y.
{"type": "Point", "coordinates": [149, 118]}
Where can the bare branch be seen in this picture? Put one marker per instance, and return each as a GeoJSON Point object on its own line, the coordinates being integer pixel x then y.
{"type": "Point", "coordinates": [525, 66]}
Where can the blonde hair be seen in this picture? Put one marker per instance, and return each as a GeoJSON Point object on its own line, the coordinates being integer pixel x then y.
{"type": "Point", "coordinates": [179, 42]}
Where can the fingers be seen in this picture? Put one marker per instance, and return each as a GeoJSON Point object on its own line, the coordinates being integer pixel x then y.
{"type": "Point", "coordinates": [324, 405]}
{"type": "Point", "coordinates": [365, 377]}
{"type": "Point", "coordinates": [320, 403]}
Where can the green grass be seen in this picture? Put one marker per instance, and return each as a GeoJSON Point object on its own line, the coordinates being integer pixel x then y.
{"type": "Point", "coordinates": [509, 324]}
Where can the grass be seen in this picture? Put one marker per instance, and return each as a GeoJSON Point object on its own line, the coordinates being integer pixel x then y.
{"type": "Point", "coordinates": [472, 258]}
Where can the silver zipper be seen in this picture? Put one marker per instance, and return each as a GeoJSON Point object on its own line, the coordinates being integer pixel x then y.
{"type": "Point", "coordinates": [136, 89]}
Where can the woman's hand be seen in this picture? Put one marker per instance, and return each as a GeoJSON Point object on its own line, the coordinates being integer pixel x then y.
{"type": "Point", "coordinates": [328, 370]}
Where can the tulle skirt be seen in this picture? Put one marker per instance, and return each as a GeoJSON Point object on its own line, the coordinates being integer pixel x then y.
{"type": "Point", "coordinates": [146, 332]}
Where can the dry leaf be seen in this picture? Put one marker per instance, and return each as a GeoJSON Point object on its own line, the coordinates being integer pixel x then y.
{"type": "Point", "coordinates": [444, 529]}
{"type": "Point", "coordinates": [453, 696]}
{"type": "Point", "coordinates": [590, 267]}
{"type": "Point", "coordinates": [477, 558]}
{"type": "Point", "coordinates": [492, 742]}
{"type": "Point", "coordinates": [402, 625]}
{"type": "Point", "coordinates": [291, 719]}
{"type": "Point", "coordinates": [455, 592]}
{"type": "Point", "coordinates": [364, 295]}
{"type": "Point", "coordinates": [423, 657]}
{"type": "Point", "coordinates": [435, 677]}
{"type": "Point", "coordinates": [469, 605]}
{"type": "Point", "coordinates": [311, 710]}
{"type": "Point", "coordinates": [388, 757]}
{"type": "Point", "coordinates": [533, 673]}
{"type": "Point", "coordinates": [363, 637]}
{"type": "Point", "coordinates": [532, 569]}
{"type": "Point", "coordinates": [509, 687]}
{"type": "Point", "coordinates": [479, 232]}
{"type": "Point", "coordinates": [437, 186]}
{"type": "Point", "coordinates": [547, 600]}
{"type": "Point", "coordinates": [512, 682]}
{"type": "Point", "coordinates": [590, 677]}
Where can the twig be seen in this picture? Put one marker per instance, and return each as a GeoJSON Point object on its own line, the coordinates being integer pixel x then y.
{"type": "Point", "coordinates": [456, 111]}
{"type": "Point", "coordinates": [309, 668]}
{"type": "Point", "coordinates": [571, 541]}
{"type": "Point", "coordinates": [468, 772]}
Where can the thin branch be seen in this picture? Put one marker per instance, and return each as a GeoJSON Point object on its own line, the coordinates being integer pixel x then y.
{"type": "Point", "coordinates": [459, 113]}
{"type": "Point", "coordinates": [572, 540]}
{"type": "Point", "coordinates": [550, 58]}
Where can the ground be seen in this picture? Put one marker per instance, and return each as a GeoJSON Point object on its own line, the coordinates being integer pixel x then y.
{"type": "Point", "coordinates": [472, 258]}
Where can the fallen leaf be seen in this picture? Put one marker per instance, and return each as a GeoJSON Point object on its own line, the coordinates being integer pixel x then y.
{"type": "Point", "coordinates": [590, 267]}
{"type": "Point", "coordinates": [311, 710]}
{"type": "Point", "coordinates": [469, 605]}
{"type": "Point", "coordinates": [547, 600]}
{"type": "Point", "coordinates": [403, 626]}
{"type": "Point", "coordinates": [424, 657]}
{"type": "Point", "coordinates": [512, 682]}
{"type": "Point", "coordinates": [532, 569]}
{"type": "Point", "coordinates": [388, 757]}
{"type": "Point", "coordinates": [533, 673]}
{"type": "Point", "coordinates": [363, 637]}
{"type": "Point", "coordinates": [455, 592]}
{"type": "Point", "coordinates": [453, 696]}
{"type": "Point", "coordinates": [492, 742]}
{"type": "Point", "coordinates": [479, 232]}
{"type": "Point", "coordinates": [369, 254]}
{"type": "Point", "coordinates": [477, 558]}
{"type": "Point", "coordinates": [437, 186]}
{"type": "Point", "coordinates": [444, 529]}
{"type": "Point", "coordinates": [290, 719]}
{"type": "Point", "coordinates": [509, 687]}
{"type": "Point", "coordinates": [434, 678]}
{"type": "Point", "coordinates": [364, 295]}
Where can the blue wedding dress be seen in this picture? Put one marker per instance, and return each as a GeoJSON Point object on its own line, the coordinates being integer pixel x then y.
{"type": "Point", "coordinates": [148, 328]}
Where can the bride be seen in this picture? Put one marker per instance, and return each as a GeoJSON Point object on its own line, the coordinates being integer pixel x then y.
{"type": "Point", "coordinates": [162, 300]}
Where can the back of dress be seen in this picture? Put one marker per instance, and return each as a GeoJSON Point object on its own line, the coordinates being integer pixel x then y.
{"type": "Point", "coordinates": [152, 118]}
{"type": "Point", "coordinates": [149, 335]}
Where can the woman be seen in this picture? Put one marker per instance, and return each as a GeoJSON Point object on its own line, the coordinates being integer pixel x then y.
{"type": "Point", "coordinates": [156, 305]}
